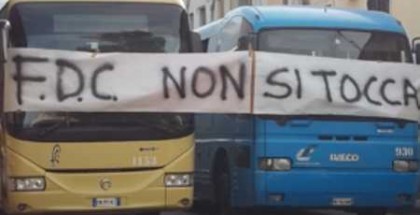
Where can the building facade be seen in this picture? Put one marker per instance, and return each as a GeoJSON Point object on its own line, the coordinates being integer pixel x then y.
{"type": "Point", "coordinates": [202, 12]}
{"type": "Point", "coordinates": [405, 11]}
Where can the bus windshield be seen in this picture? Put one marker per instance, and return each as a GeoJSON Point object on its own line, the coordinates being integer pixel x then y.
{"type": "Point", "coordinates": [349, 44]}
{"type": "Point", "coordinates": [100, 27]}
{"type": "Point", "coordinates": [41, 126]}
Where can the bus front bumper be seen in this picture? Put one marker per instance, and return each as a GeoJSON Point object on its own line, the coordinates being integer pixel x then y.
{"type": "Point", "coordinates": [153, 199]}
{"type": "Point", "coordinates": [139, 191]}
{"type": "Point", "coordinates": [318, 189]}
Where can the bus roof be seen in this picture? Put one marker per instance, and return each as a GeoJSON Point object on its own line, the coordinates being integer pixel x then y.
{"type": "Point", "coordinates": [177, 2]}
{"type": "Point", "coordinates": [262, 17]}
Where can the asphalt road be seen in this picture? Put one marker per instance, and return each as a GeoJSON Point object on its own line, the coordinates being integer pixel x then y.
{"type": "Point", "coordinates": [301, 212]}
{"type": "Point", "coordinates": [284, 212]}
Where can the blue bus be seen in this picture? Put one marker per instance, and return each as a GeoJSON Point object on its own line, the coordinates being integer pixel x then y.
{"type": "Point", "coordinates": [366, 165]}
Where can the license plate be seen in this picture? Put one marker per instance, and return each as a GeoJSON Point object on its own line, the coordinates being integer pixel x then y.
{"type": "Point", "coordinates": [106, 202]}
{"type": "Point", "coordinates": [342, 202]}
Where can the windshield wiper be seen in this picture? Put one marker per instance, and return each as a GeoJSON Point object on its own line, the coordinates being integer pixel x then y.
{"type": "Point", "coordinates": [158, 127]}
{"type": "Point", "coordinates": [65, 122]}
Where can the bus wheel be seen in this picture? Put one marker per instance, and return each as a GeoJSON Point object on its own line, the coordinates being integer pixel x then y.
{"type": "Point", "coordinates": [372, 212]}
{"type": "Point", "coordinates": [149, 213]}
{"type": "Point", "coordinates": [223, 206]}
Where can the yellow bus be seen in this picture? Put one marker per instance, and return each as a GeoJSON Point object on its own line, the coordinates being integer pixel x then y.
{"type": "Point", "coordinates": [95, 162]}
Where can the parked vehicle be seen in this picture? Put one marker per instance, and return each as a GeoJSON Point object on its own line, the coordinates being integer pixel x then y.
{"type": "Point", "coordinates": [88, 161]}
{"type": "Point", "coordinates": [363, 164]}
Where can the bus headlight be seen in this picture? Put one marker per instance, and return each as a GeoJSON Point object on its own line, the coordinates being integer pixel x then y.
{"type": "Point", "coordinates": [178, 180]}
{"type": "Point", "coordinates": [275, 164]}
{"type": "Point", "coordinates": [405, 166]}
{"type": "Point", "coordinates": [28, 184]}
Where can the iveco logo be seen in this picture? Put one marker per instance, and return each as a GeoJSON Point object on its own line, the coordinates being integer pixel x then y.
{"type": "Point", "coordinates": [105, 184]}
{"type": "Point", "coordinates": [344, 157]}
{"type": "Point", "coordinates": [305, 154]}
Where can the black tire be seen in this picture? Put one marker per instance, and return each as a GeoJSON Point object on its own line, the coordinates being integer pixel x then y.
{"type": "Point", "coordinates": [372, 212]}
{"type": "Point", "coordinates": [223, 204]}
{"type": "Point", "coordinates": [149, 213]}
{"type": "Point", "coordinates": [201, 207]}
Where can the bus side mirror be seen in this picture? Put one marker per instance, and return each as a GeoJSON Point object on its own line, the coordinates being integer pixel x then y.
{"type": "Point", "coordinates": [417, 52]}
{"type": "Point", "coordinates": [416, 49]}
{"type": "Point", "coordinates": [197, 46]}
{"type": "Point", "coordinates": [245, 41]}
{"type": "Point", "coordinates": [4, 40]}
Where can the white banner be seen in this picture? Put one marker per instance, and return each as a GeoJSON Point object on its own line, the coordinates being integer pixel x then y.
{"type": "Point", "coordinates": [48, 80]}
{"type": "Point", "coordinates": [290, 84]}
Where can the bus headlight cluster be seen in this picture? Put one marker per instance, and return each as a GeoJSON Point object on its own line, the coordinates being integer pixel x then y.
{"type": "Point", "coordinates": [405, 166]}
{"type": "Point", "coordinates": [275, 164]}
{"type": "Point", "coordinates": [178, 180]}
{"type": "Point", "coordinates": [28, 184]}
